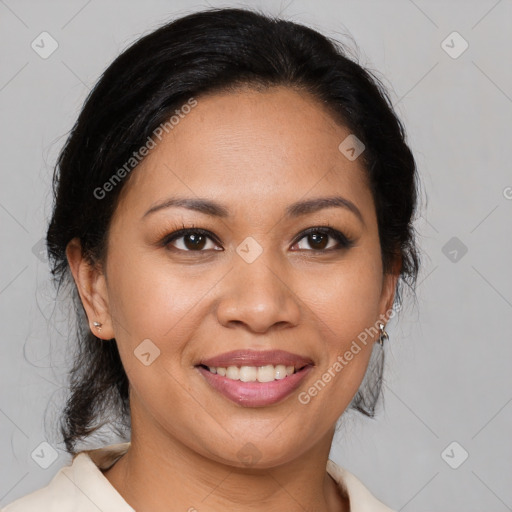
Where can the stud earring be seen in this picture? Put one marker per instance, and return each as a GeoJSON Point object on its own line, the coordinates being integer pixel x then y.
{"type": "Point", "coordinates": [383, 335]}
{"type": "Point", "coordinates": [97, 325]}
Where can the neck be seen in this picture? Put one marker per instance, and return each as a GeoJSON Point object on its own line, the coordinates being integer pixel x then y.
{"type": "Point", "coordinates": [158, 471]}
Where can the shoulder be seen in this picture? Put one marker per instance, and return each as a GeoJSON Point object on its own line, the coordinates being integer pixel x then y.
{"type": "Point", "coordinates": [360, 498]}
{"type": "Point", "coordinates": [79, 487]}
{"type": "Point", "coordinates": [58, 495]}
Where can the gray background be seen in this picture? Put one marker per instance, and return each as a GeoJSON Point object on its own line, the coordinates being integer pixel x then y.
{"type": "Point", "coordinates": [448, 359]}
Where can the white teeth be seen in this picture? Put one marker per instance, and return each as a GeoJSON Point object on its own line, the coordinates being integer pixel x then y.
{"type": "Point", "coordinates": [248, 373]}
{"type": "Point", "coordinates": [267, 373]}
{"type": "Point", "coordinates": [233, 372]}
{"type": "Point", "coordinates": [280, 371]}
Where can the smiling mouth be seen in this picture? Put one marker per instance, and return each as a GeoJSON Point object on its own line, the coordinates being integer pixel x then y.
{"type": "Point", "coordinates": [255, 386]}
{"type": "Point", "coordinates": [265, 373]}
{"type": "Point", "coordinates": [255, 378]}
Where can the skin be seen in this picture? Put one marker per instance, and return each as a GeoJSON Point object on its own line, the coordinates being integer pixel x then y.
{"type": "Point", "coordinates": [255, 152]}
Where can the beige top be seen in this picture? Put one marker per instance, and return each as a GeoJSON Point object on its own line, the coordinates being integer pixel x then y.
{"type": "Point", "coordinates": [82, 487]}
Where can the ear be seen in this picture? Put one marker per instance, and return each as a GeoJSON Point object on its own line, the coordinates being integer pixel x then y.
{"type": "Point", "coordinates": [92, 288]}
{"type": "Point", "coordinates": [389, 282]}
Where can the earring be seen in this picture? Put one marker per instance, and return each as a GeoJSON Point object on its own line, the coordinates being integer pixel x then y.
{"type": "Point", "coordinates": [383, 335]}
{"type": "Point", "coordinates": [97, 325]}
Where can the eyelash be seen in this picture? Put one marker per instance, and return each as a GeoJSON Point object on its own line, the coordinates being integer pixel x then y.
{"type": "Point", "coordinates": [344, 242]}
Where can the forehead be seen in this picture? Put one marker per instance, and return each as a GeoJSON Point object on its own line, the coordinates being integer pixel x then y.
{"type": "Point", "coordinates": [250, 149]}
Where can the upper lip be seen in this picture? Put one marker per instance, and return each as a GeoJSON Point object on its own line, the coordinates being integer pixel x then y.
{"type": "Point", "coordinates": [256, 358]}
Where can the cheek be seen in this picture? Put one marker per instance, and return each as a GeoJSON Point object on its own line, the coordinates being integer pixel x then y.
{"type": "Point", "coordinates": [344, 306]}
{"type": "Point", "coordinates": [150, 298]}
{"type": "Point", "coordinates": [153, 309]}
{"type": "Point", "coordinates": [344, 299]}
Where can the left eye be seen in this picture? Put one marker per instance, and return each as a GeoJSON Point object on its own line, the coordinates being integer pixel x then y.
{"type": "Point", "coordinates": [317, 238]}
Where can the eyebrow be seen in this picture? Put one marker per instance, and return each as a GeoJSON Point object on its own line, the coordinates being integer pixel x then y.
{"type": "Point", "coordinates": [297, 209]}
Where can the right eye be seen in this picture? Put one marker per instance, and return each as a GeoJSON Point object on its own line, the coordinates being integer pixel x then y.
{"type": "Point", "coordinates": [190, 240]}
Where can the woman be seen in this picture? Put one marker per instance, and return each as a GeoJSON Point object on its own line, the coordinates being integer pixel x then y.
{"type": "Point", "coordinates": [233, 211]}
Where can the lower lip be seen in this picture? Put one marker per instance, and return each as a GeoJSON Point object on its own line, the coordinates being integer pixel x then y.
{"type": "Point", "coordinates": [255, 394]}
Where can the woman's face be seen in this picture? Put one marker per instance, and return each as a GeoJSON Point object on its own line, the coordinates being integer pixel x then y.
{"type": "Point", "coordinates": [254, 283]}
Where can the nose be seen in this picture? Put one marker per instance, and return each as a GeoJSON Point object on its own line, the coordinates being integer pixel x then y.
{"type": "Point", "coordinates": [258, 296]}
